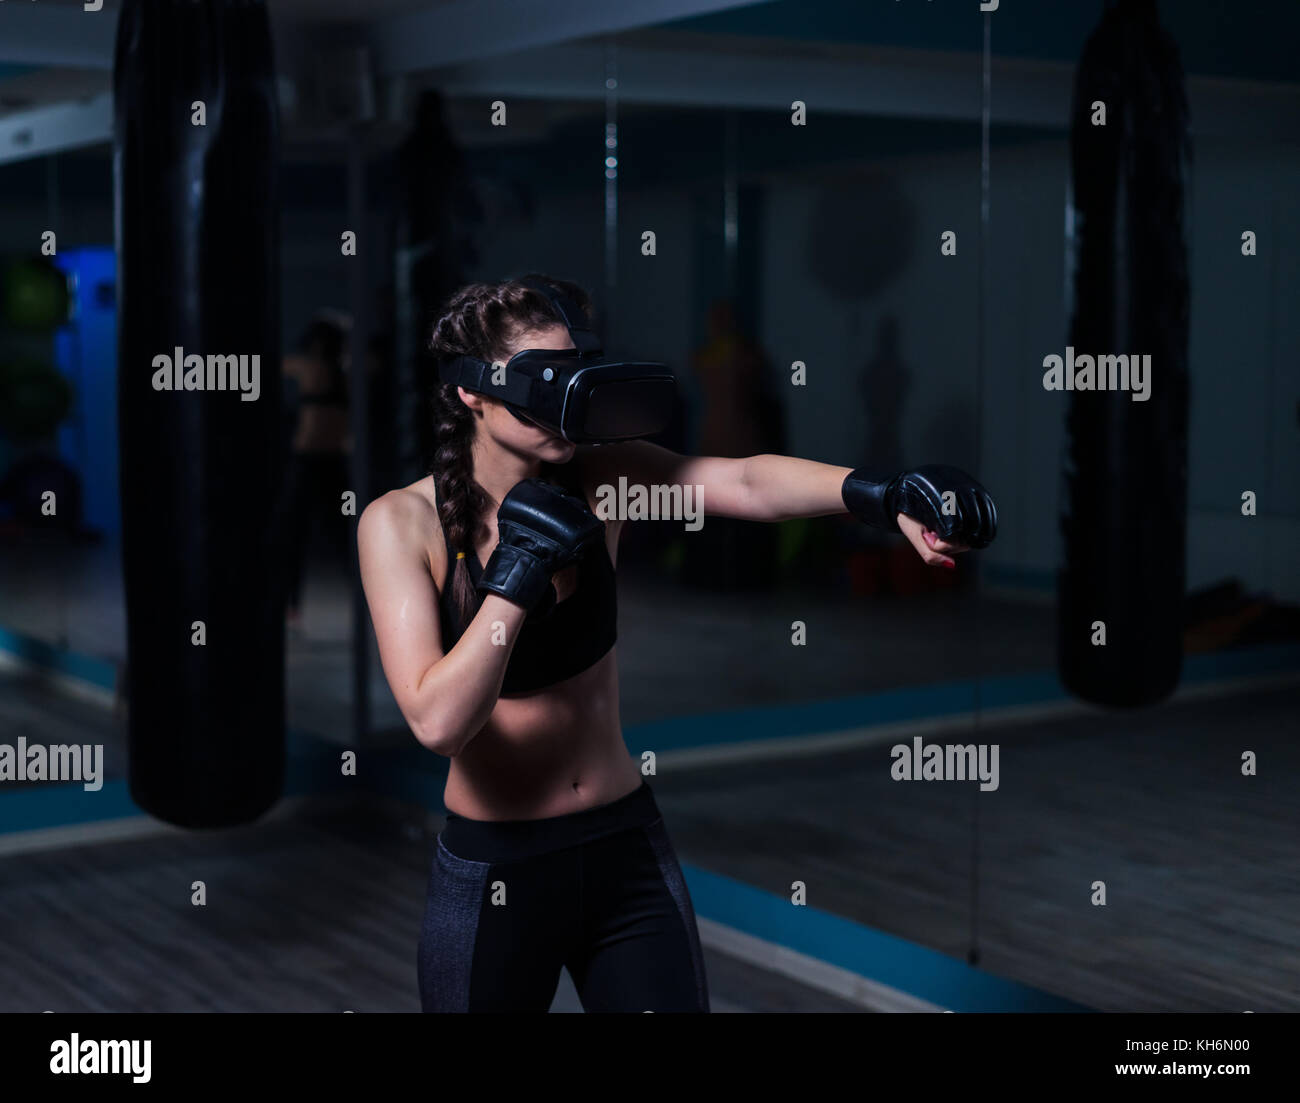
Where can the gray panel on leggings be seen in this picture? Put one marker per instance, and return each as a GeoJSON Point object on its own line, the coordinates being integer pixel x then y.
{"type": "Point", "coordinates": [671, 871]}
{"type": "Point", "coordinates": [451, 928]}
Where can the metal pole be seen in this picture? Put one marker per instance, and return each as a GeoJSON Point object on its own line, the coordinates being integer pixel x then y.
{"type": "Point", "coordinates": [359, 413]}
{"type": "Point", "coordinates": [610, 164]}
{"type": "Point", "coordinates": [981, 321]}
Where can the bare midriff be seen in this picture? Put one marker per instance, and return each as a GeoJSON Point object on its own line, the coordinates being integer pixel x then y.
{"type": "Point", "coordinates": [549, 753]}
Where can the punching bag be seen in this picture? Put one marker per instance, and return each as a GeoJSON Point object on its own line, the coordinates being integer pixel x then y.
{"type": "Point", "coordinates": [195, 172]}
{"type": "Point", "coordinates": [437, 216]}
{"type": "Point", "coordinates": [1125, 489]}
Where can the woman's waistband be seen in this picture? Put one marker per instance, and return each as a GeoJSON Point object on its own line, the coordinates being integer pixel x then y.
{"type": "Point", "coordinates": [511, 840]}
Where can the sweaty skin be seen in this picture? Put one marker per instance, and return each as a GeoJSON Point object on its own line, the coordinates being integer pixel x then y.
{"type": "Point", "coordinates": [548, 753]}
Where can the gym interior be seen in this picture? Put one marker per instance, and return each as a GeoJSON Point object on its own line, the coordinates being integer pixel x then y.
{"type": "Point", "coordinates": [858, 233]}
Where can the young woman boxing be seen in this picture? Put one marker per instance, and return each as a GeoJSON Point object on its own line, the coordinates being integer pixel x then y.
{"type": "Point", "coordinates": [491, 584]}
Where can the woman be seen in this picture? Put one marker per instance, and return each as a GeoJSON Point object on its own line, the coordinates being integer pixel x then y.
{"type": "Point", "coordinates": [501, 657]}
{"type": "Point", "coordinates": [316, 375]}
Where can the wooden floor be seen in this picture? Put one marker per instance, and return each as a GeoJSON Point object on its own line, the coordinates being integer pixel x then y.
{"type": "Point", "coordinates": [1201, 864]}
{"type": "Point", "coordinates": [317, 912]}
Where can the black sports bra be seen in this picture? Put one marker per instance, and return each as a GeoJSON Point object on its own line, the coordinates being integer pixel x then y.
{"type": "Point", "coordinates": [575, 635]}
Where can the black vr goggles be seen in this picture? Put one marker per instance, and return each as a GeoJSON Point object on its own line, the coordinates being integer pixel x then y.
{"type": "Point", "coordinates": [577, 392]}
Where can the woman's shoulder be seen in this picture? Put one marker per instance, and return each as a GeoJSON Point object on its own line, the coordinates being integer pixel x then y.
{"type": "Point", "coordinates": [404, 521]}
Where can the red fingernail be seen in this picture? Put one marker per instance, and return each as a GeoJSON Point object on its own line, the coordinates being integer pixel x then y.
{"type": "Point", "coordinates": [950, 563]}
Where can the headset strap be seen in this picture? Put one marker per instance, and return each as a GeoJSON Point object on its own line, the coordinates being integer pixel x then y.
{"type": "Point", "coordinates": [476, 375]}
{"type": "Point", "coordinates": [575, 321]}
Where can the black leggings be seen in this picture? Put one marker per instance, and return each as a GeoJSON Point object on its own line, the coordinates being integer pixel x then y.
{"type": "Point", "coordinates": [598, 892]}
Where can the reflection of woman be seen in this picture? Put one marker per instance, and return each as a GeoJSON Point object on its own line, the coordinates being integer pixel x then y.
{"type": "Point", "coordinates": [318, 465]}
{"type": "Point", "coordinates": [499, 649]}
{"type": "Point", "coordinates": [739, 417]}
{"type": "Point", "coordinates": [730, 371]}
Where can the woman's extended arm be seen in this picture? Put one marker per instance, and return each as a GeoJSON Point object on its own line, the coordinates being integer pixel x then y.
{"type": "Point", "coordinates": [756, 488]}
{"type": "Point", "coordinates": [446, 698]}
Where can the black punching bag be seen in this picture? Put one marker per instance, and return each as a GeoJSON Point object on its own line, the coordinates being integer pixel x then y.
{"type": "Point", "coordinates": [1125, 503]}
{"type": "Point", "coordinates": [198, 279]}
{"type": "Point", "coordinates": [438, 213]}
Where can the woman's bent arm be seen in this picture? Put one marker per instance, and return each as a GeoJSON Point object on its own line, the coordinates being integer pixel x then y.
{"type": "Point", "coordinates": [446, 697]}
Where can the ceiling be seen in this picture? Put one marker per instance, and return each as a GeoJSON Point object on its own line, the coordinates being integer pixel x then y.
{"type": "Point", "coordinates": [325, 11]}
{"type": "Point", "coordinates": [882, 57]}
{"type": "Point", "coordinates": [1247, 39]}
{"type": "Point", "coordinates": [1243, 39]}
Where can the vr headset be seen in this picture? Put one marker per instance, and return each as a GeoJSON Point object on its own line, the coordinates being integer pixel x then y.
{"type": "Point", "coordinates": [578, 392]}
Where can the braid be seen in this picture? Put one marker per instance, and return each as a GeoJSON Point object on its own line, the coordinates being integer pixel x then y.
{"type": "Point", "coordinates": [480, 320]}
{"type": "Point", "coordinates": [461, 501]}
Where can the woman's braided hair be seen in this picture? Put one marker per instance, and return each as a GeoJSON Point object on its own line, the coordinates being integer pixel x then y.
{"type": "Point", "coordinates": [482, 320]}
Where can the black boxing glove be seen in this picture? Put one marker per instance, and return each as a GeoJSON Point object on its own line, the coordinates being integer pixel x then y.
{"type": "Point", "coordinates": [541, 529]}
{"type": "Point", "coordinates": [971, 518]}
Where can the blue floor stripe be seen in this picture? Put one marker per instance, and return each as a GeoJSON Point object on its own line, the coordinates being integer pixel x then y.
{"type": "Point", "coordinates": [97, 672]}
{"type": "Point", "coordinates": [924, 702]}
{"type": "Point", "coordinates": [312, 769]}
{"type": "Point", "coordinates": [1240, 662]}
{"type": "Point", "coordinates": [783, 720]}
{"type": "Point", "coordinates": [903, 965]}
{"type": "Point", "coordinates": [33, 807]}
{"type": "Point", "coordinates": [779, 721]}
